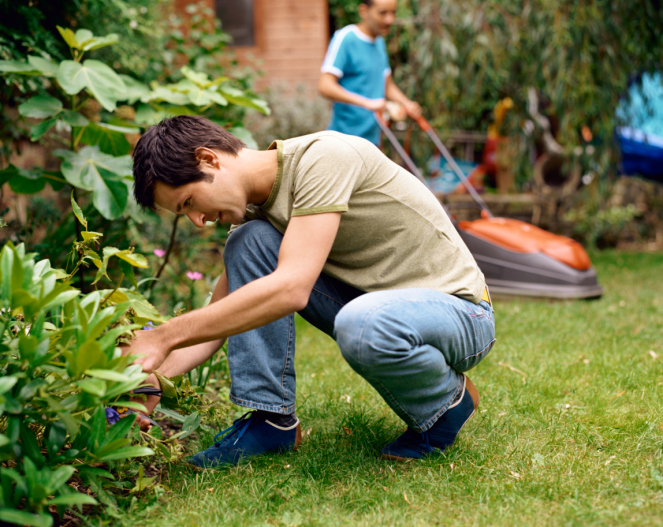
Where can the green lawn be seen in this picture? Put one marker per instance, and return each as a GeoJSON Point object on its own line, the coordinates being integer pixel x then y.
{"type": "Point", "coordinates": [570, 430]}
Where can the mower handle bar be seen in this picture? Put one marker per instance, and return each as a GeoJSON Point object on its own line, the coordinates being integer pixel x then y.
{"type": "Point", "coordinates": [428, 129]}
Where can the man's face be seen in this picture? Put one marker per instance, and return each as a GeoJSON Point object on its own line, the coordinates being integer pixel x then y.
{"type": "Point", "coordinates": [379, 17]}
{"type": "Point", "coordinates": [221, 199]}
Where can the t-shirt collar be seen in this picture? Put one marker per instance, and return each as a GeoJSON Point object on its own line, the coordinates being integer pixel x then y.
{"type": "Point", "coordinates": [363, 36]}
{"type": "Point", "coordinates": [278, 145]}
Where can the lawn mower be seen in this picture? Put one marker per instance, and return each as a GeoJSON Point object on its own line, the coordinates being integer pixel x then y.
{"type": "Point", "coordinates": [515, 257]}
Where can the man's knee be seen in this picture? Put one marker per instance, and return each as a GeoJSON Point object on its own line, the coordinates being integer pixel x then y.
{"type": "Point", "coordinates": [255, 240]}
{"type": "Point", "coordinates": [362, 331]}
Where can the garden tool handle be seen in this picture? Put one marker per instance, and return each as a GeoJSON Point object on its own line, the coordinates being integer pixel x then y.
{"type": "Point", "coordinates": [401, 152]}
{"type": "Point", "coordinates": [421, 121]}
{"type": "Point", "coordinates": [428, 129]}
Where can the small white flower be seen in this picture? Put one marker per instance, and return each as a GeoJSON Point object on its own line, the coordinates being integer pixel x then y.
{"type": "Point", "coordinates": [133, 24]}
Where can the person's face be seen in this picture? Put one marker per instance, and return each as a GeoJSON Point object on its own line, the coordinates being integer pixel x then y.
{"type": "Point", "coordinates": [222, 198]}
{"type": "Point", "coordinates": [379, 17]}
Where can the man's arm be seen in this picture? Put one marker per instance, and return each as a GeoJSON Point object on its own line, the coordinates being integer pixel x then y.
{"type": "Point", "coordinates": [393, 93]}
{"type": "Point", "coordinates": [329, 87]}
{"type": "Point", "coordinates": [304, 250]}
{"type": "Point", "coordinates": [184, 360]}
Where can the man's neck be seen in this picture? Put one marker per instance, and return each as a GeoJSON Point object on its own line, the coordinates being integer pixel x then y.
{"type": "Point", "coordinates": [363, 27]}
{"type": "Point", "coordinates": [260, 168]}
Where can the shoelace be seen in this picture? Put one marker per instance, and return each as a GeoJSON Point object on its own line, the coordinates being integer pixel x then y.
{"type": "Point", "coordinates": [241, 424]}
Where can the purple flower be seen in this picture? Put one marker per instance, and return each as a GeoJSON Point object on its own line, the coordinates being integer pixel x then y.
{"type": "Point", "coordinates": [148, 325]}
{"type": "Point", "coordinates": [112, 416]}
{"type": "Point", "coordinates": [194, 275]}
{"type": "Point", "coordinates": [159, 252]}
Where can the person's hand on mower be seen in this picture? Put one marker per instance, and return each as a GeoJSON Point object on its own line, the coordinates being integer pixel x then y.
{"type": "Point", "coordinates": [412, 108]}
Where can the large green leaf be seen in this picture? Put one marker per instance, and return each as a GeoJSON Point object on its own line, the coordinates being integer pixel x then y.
{"type": "Point", "coordinates": [91, 169]}
{"type": "Point", "coordinates": [100, 42]}
{"type": "Point", "coordinates": [96, 77]}
{"type": "Point", "coordinates": [89, 355]}
{"type": "Point", "coordinates": [152, 114]}
{"type": "Point", "coordinates": [169, 94]}
{"type": "Point", "coordinates": [238, 97]}
{"type": "Point", "coordinates": [78, 212]}
{"type": "Point", "coordinates": [40, 106]}
{"type": "Point", "coordinates": [199, 96]}
{"type": "Point", "coordinates": [27, 181]}
{"type": "Point", "coordinates": [73, 118]}
{"type": "Point", "coordinates": [7, 383]}
{"type": "Point", "coordinates": [46, 67]}
{"type": "Point", "coordinates": [15, 517]}
{"type": "Point", "coordinates": [108, 138]}
{"type": "Point", "coordinates": [127, 453]}
{"type": "Point", "coordinates": [201, 79]}
{"type": "Point", "coordinates": [93, 386]}
{"type": "Point", "coordinates": [140, 305]}
{"type": "Point", "coordinates": [7, 173]}
{"type": "Point", "coordinates": [134, 259]}
{"type": "Point", "coordinates": [135, 89]}
{"type": "Point", "coordinates": [110, 196]}
{"type": "Point", "coordinates": [14, 66]}
{"type": "Point", "coordinates": [76, 498]}
{"type": "Point", "coordinates": [39, 130]}
{"type": "Point", "coordinates": [107, 375]}
{"type": "Point", "coordinates": [69, 37]}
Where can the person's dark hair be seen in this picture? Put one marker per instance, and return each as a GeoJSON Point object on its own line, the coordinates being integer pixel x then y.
{"type": "Point", "coordinates": [167, 153]}
{"type": "Point", "coordinates": [367, 3]}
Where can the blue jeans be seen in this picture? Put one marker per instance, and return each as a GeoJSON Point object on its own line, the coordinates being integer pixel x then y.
{"type": "Point", "coordinates": [411, 345]}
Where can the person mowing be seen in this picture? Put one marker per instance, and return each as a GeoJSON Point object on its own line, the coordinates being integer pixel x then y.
{"type": "Point", "coordinates": [356, 74]}
{"type": "Point", "coordinates": [328, 227]}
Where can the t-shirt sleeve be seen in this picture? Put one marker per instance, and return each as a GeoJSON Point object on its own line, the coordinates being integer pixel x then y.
{"type": "Point", "coordinates": [327, 175]}
{"type": "Point", "coordinates": [337, 57]}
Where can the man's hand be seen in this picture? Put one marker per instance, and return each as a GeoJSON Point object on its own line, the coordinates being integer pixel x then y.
{"type": "Point", "coordinates": [149, 345]}
{"type": "Point", "coordinates": [393, 93]}
{"type": "Point", "coordinates": [412, 108]}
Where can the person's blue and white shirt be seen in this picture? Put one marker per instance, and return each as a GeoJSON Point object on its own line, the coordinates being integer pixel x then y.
{"type": "Point", "coordinates": [361, 65]}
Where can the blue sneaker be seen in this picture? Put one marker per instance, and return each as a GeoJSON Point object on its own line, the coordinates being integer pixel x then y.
{"type": "Point", "coordinates": [250, 435]}
{"type": "Point", "coordinates": [416, 445]}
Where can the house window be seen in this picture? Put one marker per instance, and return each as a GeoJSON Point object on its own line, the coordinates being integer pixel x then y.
{"type": "Point", "coordinates": [237, 20]}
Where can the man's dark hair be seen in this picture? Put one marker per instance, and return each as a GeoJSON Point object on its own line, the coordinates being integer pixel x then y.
{"type": "Point", "coordinates": [167, 153]}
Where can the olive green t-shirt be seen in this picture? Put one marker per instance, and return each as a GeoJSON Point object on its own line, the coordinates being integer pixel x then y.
{"type": "Point", "coordinates": [393, 234]}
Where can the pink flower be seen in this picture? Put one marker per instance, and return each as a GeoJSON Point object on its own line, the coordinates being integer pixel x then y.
{"type": "Point", "coordinates": [159, 252]}
{"type": "Point", "coordinates": [194, 275]}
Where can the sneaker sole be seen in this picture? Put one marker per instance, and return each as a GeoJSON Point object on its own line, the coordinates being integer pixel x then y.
{"type": "Point", "coordinates": [474, 394]}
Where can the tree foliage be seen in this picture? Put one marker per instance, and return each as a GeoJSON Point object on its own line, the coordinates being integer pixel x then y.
{"type": "Point", "coordinates": [458, 59]}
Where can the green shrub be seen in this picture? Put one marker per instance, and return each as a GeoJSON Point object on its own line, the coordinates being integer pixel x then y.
{"type": "Point", "coordinates": [61, 368]}
{"type": "Point", "coordinates": [601, 227]}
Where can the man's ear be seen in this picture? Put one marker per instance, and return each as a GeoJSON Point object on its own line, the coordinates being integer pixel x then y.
{"type": "Point", "coordinates": [362, 9]}
{"type": "Point", "coordinates": [206, 157]}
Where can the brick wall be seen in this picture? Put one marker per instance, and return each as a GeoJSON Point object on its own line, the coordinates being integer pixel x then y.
{"type": "Point", "coordinates": [291, 40]}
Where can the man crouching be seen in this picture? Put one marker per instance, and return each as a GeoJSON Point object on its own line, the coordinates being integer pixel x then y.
{"type": "Point", "coordinates": [327, 226]}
